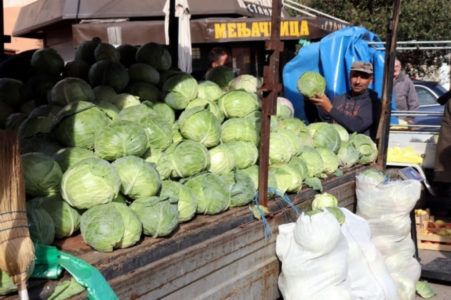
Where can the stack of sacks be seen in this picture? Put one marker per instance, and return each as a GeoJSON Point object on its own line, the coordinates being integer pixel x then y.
{"type": "Point", "coordinates": [386, 206]}
{"type": "Point", "coordinates": [313, 253]}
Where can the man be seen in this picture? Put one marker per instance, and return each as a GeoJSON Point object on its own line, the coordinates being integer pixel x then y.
{"type": "Point", "coordinates": [218, 56]}
{"type": "Point", "coordinates": [442, 164]}
{"type": "Point", "coordinates": [405, 95]}
{"type": "Point", "coordinates": [356, 110]}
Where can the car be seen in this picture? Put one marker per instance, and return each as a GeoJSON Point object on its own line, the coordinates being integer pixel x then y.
{"type": "Point", "coordinates": [428, 92]}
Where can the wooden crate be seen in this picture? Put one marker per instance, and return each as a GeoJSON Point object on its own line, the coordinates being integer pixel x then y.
{"type": "Point", "coordinates": [431, 238]}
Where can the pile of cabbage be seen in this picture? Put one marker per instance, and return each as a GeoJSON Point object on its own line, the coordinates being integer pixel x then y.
{"type": "Point", "coordinates": [118, 144]}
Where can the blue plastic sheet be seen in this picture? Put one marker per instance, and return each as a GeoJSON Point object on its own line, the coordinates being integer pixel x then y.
{"type": "Point", "coordinates": [332, 57]}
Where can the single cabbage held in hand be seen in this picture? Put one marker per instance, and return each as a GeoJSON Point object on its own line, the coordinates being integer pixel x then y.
{"type": "Point", "coordinates": [311, 82]}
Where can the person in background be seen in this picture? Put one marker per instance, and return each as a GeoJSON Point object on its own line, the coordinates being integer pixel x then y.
{"type": "Point", "coordinates": [218, 56]}
{"type": "Point", "coordinates": [356, 110]}
{"type": "Point", "coordinates": [405, 95]}
{"type": "Point", "coordinates": [442, 163]}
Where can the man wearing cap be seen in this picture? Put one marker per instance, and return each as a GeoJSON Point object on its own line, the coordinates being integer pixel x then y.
{"type": "Point", "coordinates": [356, 110]}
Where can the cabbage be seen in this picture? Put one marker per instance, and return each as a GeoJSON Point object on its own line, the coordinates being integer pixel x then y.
{"type": "Point", "coordinates": [34, 125]}
{"type": "Point", "coordinates": [299, 165]}
{"type": "Point", "coordinates": [66, 157]}
{"type": "Point", "coordinates": [104, 93]}
{"type": "Point", "coordinates": [209, 90]}
{"type": "Point", "coordinates": [288, 179]}
{"type": "Point", "coordinates": [239, 129]}
{"type": "Point", "coordinates": [424, 289]}
{"type": "Point", "coordinates": [125, 100]}
{"type": "Point", "coordinates": [144, 91]}
{"type": "Point", "coordinates": [85, 51]}
{"type": "Point", "coordinates": [313, 160]}
{"type": "Point", "coordinates": [158, 131]}
{"type": "Point", "coordinates": [344, 135]}
{"type": "Point", "coordinates": [127, 54]}
{"type": "Point", "coordinates": [295, 141]}
{"type": "Point", "coordinates": [200, 125]}
{"type": "Point", "coordinates": [165, 111]}
{"type": "Point", "coordinates": [11, 91]}
{"type": "Point", "coordinates": [77, 69]}
{"type": "Point", "coordinates": [14, 120]}
{"type": "Point", "coordinates": [47, 60]}
{"type": "Point", "coordinates": [71, 89]}
{"type": "Point", "coordinates": [77, 124]}
{"type": "Point", "coordinates": [139, 178]}
{"type": "Point", "coordinates": [325, 135]}
{"type": "Point", "coordinates": [221, 75]}
{"type": "Point", "coordinates": [102, 227]}
{"type": "Point", "coordinates": [311, 82]}
{"type": "Point", "coordinates": [143, 72]}
{"type": "Point", "coordinates": [242, 188]}
{"type": "Point", "coordinates": [106, 51]}
{"type": "Point", "coordinates": [120, 138]}
{"type": "Point", "coordinates": [330, 160]}
{"type": "Point", "coordinates": [280, 148]}
{"type": "Point", "coordinates": [238, 103]}
{"type": "Point", "coordinates": [365, 145]}
{"type": "Point", "coordinates": [155, 55]}
{"type": "Point", "coordinates": [255, 119]}
{"type": "Point", "coordinates": [39, 143]}
{"type": "Point", "coordinates": [247, 82]}
{"type": "Point", "coordinates": [209, 105]}
{"type": "Point", "coordinates": [252, 171]}
{"type": "Point", "coordinates": [294, 124]}
{"type": "Point", "coordinates": [65, 218]}
{"type": "Point", "coordinates": [7, 285]}
{"type": "Point", "coordinates": [348, 155]}
{"type": "Point", "coordinates": [285, 109]}
{"type": "Point", "coordinates": [42, 174]}
{"type": "Point", "coordinates": [245, 153]}
{"type": "Point", "coordinates": [375, 175]}
{"type": "Point", "coordinates": [107, 72]}
{"type": "Point", "coordinates": [135, 112]}
{"type": "Point", "coordinates": [179, 90]}
{"type": "Point", "coordinates": [90, 182]}
{"type": "Point", "coordinates": [186, 200]}
{"type": "Point", "coordinates": [42, 228]}
{"type": "Point", "coordinates": [132, 225]}
{"type": "Point", "coordinates": [184, 159]}
{"type": "Point", "coordinates": [222, 159]}
{"type": "Point", "coordinates": [213, 194]}
{"type": "Point", "coordinates": [324, 200]}
{"type": "Point", "coordinates": [158, 215]}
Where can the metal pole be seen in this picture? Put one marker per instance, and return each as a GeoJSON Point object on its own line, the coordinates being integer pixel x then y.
{"type": "Point", "coordinates": [269, 103]}
{"type": "Point", "coordinates": [384, 121]}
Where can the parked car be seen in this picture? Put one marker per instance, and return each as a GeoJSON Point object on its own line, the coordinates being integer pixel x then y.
{"type": "Point", "coordinates": [428, 92]}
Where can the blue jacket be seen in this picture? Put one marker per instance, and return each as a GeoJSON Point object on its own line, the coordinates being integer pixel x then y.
{"type": "Point", "coordinates": [358, 113]}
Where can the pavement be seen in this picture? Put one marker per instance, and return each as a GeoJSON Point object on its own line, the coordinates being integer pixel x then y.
{"type": "Point", "coordinates": [442, 287]}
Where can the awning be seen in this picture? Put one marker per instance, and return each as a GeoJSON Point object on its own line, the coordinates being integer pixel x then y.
{"type": "Point", "coordinates": [37, 16]}
{"type": "Point", "coordinates": [209, 30]}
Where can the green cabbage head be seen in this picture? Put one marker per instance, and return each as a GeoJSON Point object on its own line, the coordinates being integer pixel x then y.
{"type": "Point", "coordinates": [311, 82]}
{"type": "Point", "coordinates": [324, 200]}
{"type": "Point", "coordinates": [159, 215]}
{"type": "Point", "coordinates": [90, 182]}
{"type": "Point", "coordinates": [186, 200]}
{"type": "Point", "coordinates": [213, 194]}
{"type": "Point", "coordinates": [42, 174]}
{"type": "Point", "coordinates": [238, 103]}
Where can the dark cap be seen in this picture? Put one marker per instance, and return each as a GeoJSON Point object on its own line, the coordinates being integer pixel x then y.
{"type": "Point", "coordinates": [362, 66]}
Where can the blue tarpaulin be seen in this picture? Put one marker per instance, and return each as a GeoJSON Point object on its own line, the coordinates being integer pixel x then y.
{"type": "Point", "coordinates": [332, 57]}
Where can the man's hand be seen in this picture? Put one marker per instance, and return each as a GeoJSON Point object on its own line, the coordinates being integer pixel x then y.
{"type": "Point", "coordinates": [322, 101]}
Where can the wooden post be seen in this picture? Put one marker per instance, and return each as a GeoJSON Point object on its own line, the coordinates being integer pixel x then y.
{"type": "Point", "coordinates": [271, 89]}
{"type": "Point", "coordinates": [384, 121]}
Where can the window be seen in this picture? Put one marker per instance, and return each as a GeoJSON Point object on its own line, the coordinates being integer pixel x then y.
{"type": "Point", "coordinates": [425, 97]}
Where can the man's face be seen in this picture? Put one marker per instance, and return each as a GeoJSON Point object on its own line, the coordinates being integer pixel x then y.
{"type": "Point", "coordinates": [222, 61]}
{"type": "Point", "coordinates": [360, 81]}
{"type": "Point", "coordinates": [397, 69]}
